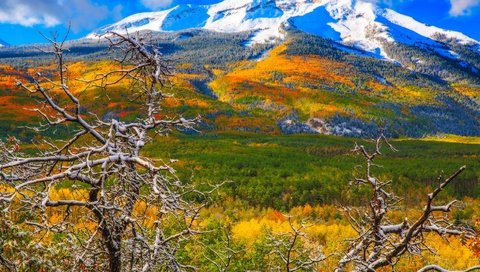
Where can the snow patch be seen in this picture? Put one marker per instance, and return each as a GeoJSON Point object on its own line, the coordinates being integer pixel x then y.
{"type": "Point", "coordinates": [265, 18]}
{"type": "Point", "coordinates": [353, 23]}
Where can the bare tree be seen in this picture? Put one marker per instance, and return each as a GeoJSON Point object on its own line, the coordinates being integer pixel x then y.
{"type": "Point", "coordinates": [291, 251]}
{"type": "Point", "coordinates": [380, 241]}
{"type": "Point", "coordinates": [103, 164]}
{"type": "Point", "coordinates": [224, 255]}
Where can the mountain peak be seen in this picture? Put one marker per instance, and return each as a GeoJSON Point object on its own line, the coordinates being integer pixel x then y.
{"type": "Point", "coordinates": [263, 17]}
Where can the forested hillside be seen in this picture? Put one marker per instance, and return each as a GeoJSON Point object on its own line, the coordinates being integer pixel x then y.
{"type": "Point", "coordinates": [304, 85]}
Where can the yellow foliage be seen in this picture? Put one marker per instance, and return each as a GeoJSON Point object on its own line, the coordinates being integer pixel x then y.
{"type": "Point", "coordinates": [148, 213]}
{"type": "Point", "coordinates": [448, 138]}
{"type": "Point", "coordinates": [6, 189]}
{"type": "Point", "coordinates": [450, 253]}
{"type": "Point", "coordinates": [251, 230]}
{"type": "Point", "coordinates": [467, 90]}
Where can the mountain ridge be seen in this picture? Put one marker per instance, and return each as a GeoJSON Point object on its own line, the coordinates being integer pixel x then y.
{"type": "Point", "coordinates": [360, 24]}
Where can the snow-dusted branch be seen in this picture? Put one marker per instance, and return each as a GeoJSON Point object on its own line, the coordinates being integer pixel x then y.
{"type": "Point", "coordinates": [291, 251]}
{"type": "Point", "coordinates": [116, 184]}
{"type": "Point", "coordinates": [381, 242]}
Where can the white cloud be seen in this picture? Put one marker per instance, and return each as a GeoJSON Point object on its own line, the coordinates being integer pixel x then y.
{"type": "Point", "coordinates": [462, 7]}
{"type": "Point", "coordinates": [156, 4]}
{"type": "Point", "coordinates": [83, 14]}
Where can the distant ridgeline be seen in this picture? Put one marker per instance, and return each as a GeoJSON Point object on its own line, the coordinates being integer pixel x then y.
{"type": "Point", "coordinates": [304, 84]}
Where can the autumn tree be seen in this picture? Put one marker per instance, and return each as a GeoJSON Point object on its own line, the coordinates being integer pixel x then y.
{"type": "Point", "coordinates": [125, 211]}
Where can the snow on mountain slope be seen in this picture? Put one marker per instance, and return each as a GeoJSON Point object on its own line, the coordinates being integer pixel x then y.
{"type": "Point", "coordinates": [356, 23]}
{"type": "Point", "coordinates": [264, 17]}
{"type": "Point", "coordinates": [424, 30]}
{"type": "Point", "coordinates": [184, 17]}
{"type": "Point", "coordinates": [3, 43]}
{"type": "Point", "coordinates": [318, 23]}
{"type": "Point", "coordinates": [365, 25]}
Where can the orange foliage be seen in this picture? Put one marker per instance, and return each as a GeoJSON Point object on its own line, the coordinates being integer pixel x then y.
{"type": "Point", "coordinates": [259, 79]}
{"type": "Point", "coordinates": [13, 110]}
{"type": "Point", "coordinates": [197, 103]}
{"type": "Point", "coordinates": [171, 102]}
{"type": "Point", "coordinates": [280, 82]}
{"type": "Point", "coordinates": [8, 76]}
{"type": "Point", "coordinates": [275, 215]}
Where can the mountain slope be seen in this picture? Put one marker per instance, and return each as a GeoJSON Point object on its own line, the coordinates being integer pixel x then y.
{"type": "Point", "coordinates": [3, 43]}
{"type": "Point", "coordinates": [334, 66]}
{"type": "Point", "coordinates": [306, 84]}
{"type": "Point", "coordinates": [313, 92]}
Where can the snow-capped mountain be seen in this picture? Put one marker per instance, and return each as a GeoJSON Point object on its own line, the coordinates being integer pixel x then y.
{"type": "Point", "coordinates": [356, 23]}
{"type": "Point", "coordinates": [265, 17]}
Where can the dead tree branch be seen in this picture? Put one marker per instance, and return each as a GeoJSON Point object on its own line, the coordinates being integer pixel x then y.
{"type": "Point", "coordinates": [123, 189]}
{"type": "Point", "coordinates": [381, 242]}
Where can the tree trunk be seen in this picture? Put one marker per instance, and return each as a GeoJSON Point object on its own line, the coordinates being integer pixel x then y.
{"type": "Point", "coordinates": [113, 244]}
{"type": "Point", "coordinates": [115, 261]}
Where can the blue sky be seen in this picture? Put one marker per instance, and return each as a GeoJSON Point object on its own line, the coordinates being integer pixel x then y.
{"type": "Point", "coordinates": [22, 20]}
